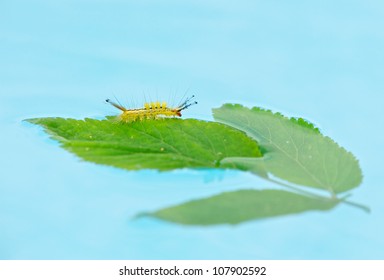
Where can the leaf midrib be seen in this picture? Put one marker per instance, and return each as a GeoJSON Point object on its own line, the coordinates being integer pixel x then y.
{"type": "Point", "coordinates": [254, 135]}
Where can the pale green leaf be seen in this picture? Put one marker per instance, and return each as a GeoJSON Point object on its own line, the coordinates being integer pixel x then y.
{"type": "Point", "coordinates": [294, 150]}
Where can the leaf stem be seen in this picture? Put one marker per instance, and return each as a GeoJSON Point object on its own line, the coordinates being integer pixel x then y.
{"type": "Point", "coordinates": [299, 190]}
{"type": "Point", "coordinates": [357, 205]}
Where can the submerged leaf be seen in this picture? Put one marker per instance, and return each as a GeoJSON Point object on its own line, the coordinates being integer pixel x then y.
{"type": "Point", "coordinates": [295, 150]}
{"type": "Point", "coordinates": [241, 206]}
{"type": "Point", "coordinates": [156, 144]}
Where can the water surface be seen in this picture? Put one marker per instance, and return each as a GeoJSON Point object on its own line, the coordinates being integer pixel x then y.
{"type": "Point", "coordinates": [322, 61]}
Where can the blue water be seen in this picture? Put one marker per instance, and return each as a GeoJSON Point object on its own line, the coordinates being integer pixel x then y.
{"type": "Point", "coordinates": [322, 60]}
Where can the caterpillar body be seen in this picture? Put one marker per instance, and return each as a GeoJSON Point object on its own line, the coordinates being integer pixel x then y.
{"type": "Point", "coordinates": [151, 110]}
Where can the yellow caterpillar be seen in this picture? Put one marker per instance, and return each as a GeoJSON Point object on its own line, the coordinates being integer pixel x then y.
{"type": "Point", "coordinates": [151, 110]}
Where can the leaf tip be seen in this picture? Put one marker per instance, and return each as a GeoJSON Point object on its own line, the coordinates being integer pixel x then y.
{"type": "Point", "coordinates": [32, 120]}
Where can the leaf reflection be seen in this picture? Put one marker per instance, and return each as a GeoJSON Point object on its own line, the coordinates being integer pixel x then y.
{"type": "Point", "coordinates": [242, 205]}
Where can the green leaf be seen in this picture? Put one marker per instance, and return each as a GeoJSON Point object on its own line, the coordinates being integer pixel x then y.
{"type": "Point", "coordinates": [156, 144]}
{"type": "Point", "coordinates": [294, 150]}
{"type": "Point", "coordinates": [241, 206]}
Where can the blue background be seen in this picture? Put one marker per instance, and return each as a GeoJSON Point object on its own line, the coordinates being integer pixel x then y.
{"type": "Point", "coordinates": [322, 60]}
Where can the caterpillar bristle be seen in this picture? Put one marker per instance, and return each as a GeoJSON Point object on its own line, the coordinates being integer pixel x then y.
{"type": "Point", "coordinates": [118, 106]}
{"type": "Point", "coordinates": [187, 103]}
{"type": "Point", "coordinates": [151, 110]}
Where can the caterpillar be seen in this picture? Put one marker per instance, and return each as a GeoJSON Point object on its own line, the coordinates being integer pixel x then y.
{"type": "Point", "coordinates": [152, 110]}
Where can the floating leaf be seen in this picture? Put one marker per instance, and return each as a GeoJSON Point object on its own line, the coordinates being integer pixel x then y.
{"type": "Point", "coordinates": [295, 150]}
{"type": "Point", "coordinates": [157, 144]}
{"type": "Point", "coordinates": [241, 206]}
